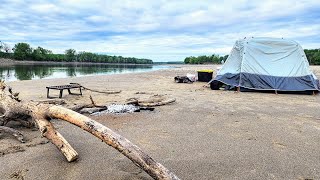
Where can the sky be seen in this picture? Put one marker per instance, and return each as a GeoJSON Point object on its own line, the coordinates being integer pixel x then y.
{"type": "Point", "coordinates": [161, 30]}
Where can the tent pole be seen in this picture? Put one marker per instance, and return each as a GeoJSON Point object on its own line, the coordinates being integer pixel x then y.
{"type": "Point", "coordinates": [238, 89]}
{"type": "Point", "coordinates": [276, 92]}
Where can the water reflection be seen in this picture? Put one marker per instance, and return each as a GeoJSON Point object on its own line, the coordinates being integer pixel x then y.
{"type": "Point", "coordinates": [45, 71]}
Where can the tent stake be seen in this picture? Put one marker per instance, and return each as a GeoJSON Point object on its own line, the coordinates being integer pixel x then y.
{"type": "Point", "coordinates": [238, 89]}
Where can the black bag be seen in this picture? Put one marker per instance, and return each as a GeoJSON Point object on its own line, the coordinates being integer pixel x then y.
{"type": "Point", "coordinates": [215, 85]}
{"type": "Point", "coordinates": [182, 79]}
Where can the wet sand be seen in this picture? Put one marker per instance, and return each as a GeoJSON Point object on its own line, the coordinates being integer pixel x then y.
{"type": "Point", "coordinates": [205, 134]}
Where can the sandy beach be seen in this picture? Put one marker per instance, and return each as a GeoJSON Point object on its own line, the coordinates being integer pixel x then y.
{"type": "Point", "coordinates": [205, 134]}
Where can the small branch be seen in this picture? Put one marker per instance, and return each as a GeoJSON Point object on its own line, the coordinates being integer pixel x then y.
{"type": "Point", "coordinates": [98, 91]}
{"type": "Point", "coordinates": [79, 107]}
{"type": "Point", "coordinates": [17, 134]}
{"type": "Point", "coordinates": [94, 103]}
{"type": "Point", "coordinates": [53, 101]}
{"type": "Point", "coordinates": [150, 103]}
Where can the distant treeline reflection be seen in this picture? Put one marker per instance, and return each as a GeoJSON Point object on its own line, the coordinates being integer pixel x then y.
{"type": "Point", "coordinates": [28, 72]}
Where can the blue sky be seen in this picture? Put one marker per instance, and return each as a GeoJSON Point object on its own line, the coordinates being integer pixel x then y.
{"type": "Point", "coordinates": [162, 30]}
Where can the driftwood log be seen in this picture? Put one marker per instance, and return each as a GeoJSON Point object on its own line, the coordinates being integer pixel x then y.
{"type": "Point", "coordinates": [151, 102]}
{"type": "Point", "coordinates": [13, 109]}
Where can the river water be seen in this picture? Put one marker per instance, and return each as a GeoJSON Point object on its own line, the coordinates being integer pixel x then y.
{"type": "Point", "coordinates": [51, 71]}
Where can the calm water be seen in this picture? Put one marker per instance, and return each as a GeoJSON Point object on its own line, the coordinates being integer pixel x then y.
{"type": "Point", "coordinates": [45, 71]}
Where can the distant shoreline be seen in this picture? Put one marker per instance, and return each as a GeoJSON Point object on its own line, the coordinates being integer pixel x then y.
{"type": "Point", "coordinates": [8, 62]}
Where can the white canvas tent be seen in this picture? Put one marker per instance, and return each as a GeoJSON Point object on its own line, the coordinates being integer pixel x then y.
{"type": "Point", "coordinates": [268, 64]}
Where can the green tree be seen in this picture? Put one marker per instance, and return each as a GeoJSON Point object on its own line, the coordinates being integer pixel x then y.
{"type": "Point", "coordinates": [216, 59]}
{"type": "Point", "coordinates": [70, 55]}
{"type": "Point", "coordinates": [187, 60]}
{"type": "Point", "coordinates": [316, 58]}
{"type": "Point", "coordinates": [40, 54]}
{"type": "Point", "coordinates": [22, 51]}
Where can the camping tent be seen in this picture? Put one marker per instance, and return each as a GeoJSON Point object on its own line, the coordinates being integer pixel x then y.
{"type": "Point", "coordinates": [268, 64]}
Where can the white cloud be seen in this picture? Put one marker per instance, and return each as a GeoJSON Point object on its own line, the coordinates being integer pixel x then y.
{"type": "Point", "coordinates": [45, 8]}
{"type": "Point", "coordinates": [98, 19]}
{"type": "Point", "coordinates": [163, 30]}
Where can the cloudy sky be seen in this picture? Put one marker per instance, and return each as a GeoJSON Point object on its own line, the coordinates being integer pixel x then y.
{"type": "Point", "coordinates": [162, 30]}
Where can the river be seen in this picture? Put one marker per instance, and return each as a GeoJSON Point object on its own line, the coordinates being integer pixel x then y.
{"type": "Point", "coordinates": [50, 71]}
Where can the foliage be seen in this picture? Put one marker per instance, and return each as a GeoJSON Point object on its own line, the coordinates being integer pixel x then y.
{"type": "Point", "coordinates": [215, 59]}
{"type": "Point", "coordinates": [313, 56]}
{"type": "Point", "coordinates": [40, 54]}
{"type": "Point", "coordinates": [23, 51]}
{"type": "Point", "coordinates": [70, 55]}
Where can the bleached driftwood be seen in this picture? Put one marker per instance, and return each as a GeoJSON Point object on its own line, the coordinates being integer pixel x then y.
{"type": "Point", "coordinates": [156, 100]}
{"type": "Point", "coordinates": [12, 109]}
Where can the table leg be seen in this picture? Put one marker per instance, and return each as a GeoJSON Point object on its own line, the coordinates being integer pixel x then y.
{"type": "Point", "coordinates": [47, 92]}
{"type": "Point", "coordinates": [60, 96]}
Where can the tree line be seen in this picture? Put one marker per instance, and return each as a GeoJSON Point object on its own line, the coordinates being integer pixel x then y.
{"type": "Point", "coordinates": [24, 52]}
{"type": "Point", "coordinates": [215, 59]}
{"type": "Point", "coordinates": [313, 56]}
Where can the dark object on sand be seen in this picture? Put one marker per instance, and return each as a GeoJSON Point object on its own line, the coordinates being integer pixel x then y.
{"type": "Point", "coordinates": [182, 79]}
{"type": "Point", "coordinates": [205, 75]}
{"type": "Point", "coordinates": [215, 85]}
{"type": "Point", "coordinates": [63, 87]}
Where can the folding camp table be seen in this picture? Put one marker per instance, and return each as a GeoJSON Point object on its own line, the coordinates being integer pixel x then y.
{"type": "Point", "coordinates": [63, 87]}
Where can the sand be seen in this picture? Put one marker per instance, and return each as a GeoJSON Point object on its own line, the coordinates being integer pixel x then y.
{"type": "Point", "coordinates": [205, 134]}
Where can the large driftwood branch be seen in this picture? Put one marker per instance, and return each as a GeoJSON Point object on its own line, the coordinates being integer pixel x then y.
{"type": "Point", "coordinates": [47, 130]}
{"type": "Point", "coordinates": [123, 145]}
{"type": "Point", "coordinates": [11, 108]}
